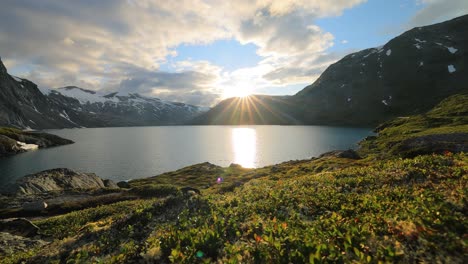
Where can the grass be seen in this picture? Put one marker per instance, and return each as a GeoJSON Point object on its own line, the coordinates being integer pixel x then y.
{"type": "Point", "coordinates": [382, 208]}
{"type": "Point", "coordinates": [449, 117]}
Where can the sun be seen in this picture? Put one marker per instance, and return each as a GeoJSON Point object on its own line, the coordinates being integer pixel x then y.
{"type": "Point", "coordinates": [237, 91]}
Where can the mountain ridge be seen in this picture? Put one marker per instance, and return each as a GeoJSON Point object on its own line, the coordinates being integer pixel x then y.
{"type": "Point", "coordinates": [408, 75]}
{"type": "Point", "coordinates": [24, 105]}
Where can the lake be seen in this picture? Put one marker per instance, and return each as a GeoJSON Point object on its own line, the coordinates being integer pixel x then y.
{"type": "Point", "coordinates": [124, 153]}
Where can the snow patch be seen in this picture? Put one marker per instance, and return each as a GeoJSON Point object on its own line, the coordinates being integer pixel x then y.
{"type": "Point", "coordinates": [65, 116]}
{"type": "Point", "coordinates": [385, 102]}
{"type": "Point", "coordinates": [420, 41]}
{"type": "Point", "coordinates": [451, 68]}
{"type": "Point", "coordinates": [389, 52]}
{"type": "Point", "coordinates": [17, 78]}
{"type": "Point", "coordinates": [417, 46]}
{"type": "Point", "coordinates": [452, 50]}
{"type": "Point", "coordinates": [349, 99]}
{"type": "Point", "coordinates": [26, 147]}
{"type": "Point", "coordinates": [421, 63]}
{"type": "Point", "coordinates": [45, 91]}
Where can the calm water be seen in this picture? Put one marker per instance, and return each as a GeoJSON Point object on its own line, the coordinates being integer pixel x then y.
{"type": "Point", "coordinates": [135, 152]}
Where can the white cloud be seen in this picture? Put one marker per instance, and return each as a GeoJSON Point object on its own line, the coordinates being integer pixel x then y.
{"type": "Point", "coordinates": [114, 44]}
{"type": "Point", "coordinates": [434, 11]}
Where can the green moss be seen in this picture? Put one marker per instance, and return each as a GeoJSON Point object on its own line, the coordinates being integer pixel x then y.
{"type": "Point", "coordinates": [448, 117]}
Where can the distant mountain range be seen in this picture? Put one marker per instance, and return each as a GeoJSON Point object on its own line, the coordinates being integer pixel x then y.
{"type": "Point", "coordinates": [23, 105]}
{"type": "Point", "coordinates": [408, 75]}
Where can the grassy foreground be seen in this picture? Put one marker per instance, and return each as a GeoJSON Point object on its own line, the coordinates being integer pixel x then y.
{"type": "Point", "coordinates": [386, 207]}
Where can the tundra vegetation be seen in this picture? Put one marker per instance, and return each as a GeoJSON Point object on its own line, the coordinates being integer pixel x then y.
{"type": "Point", "coordinates": [403, 201]}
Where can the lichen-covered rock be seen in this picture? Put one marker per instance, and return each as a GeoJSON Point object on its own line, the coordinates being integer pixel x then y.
{"type": "Point", "coordinates": [58, 180]}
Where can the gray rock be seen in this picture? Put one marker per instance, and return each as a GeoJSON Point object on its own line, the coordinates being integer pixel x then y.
{"type": "Point", "coordinates": [190, 190]}
{"type": "Point", "coordinates": [110, 184]}
{"type": "Point", "coordinates": [58, 180]}
{"type": "Point", "coordinates": [349, 154]}
{"type": "Point", "coordinates": [346, 154]}
{"type": "Point", "coordinates": [12, 244]}
{"type": "Point", "coordinates": [124, 184]}
{"type": "Point", "coordinates": [20, 227]}
{"type": "Point", "coordinates": [36, 206]}
{"type": "Point", "coordinates": [455, 143]}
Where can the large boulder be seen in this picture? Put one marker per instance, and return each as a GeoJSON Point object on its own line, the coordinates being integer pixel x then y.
{"type": "Point", "coordinates": [20, 227]}
{"type": "Point", "coordinates": [58, 180]}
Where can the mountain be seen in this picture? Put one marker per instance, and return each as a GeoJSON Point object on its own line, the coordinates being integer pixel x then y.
{"type": "Point", "coordinates": [23, 105]}
{"type": "Point", "coordinates": [254, 109]}
{"type": "Point", "coordinates": [408, 75]}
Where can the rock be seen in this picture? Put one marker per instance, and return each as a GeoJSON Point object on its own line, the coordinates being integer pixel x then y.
{"type": "Point", "coordinates": [57, 180]}
{"type": "Point", "coordinates": [440, 143]}
{"type": "Point", "coordinates": [349, 154]}
{"type": "Point", "coordinates": [190, 190]}
{"type": "Point", "coordinates": [346, 154]}
{"type": "Point", "coordinates": [35, 206]}
{"type": "Point", "coordinates": [124, 184]}
{"type": "Point", "coordinates": [110, 184]}
{"type": "Point", "coordinates": [8, 146]}
{"type": "Point", "coordinates": [236, 166]}
{"type": "Point", "coordinates": [20, 227]}
{"type": "Point", "coordinates": [275, 169]}
{"type": "Point", "coordinates": [13, 244]}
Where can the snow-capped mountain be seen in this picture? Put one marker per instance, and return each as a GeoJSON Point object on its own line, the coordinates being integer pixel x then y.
{"type": "Point", "coordinates": [23, 105]}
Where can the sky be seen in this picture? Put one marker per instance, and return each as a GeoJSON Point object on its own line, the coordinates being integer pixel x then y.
{"type": "Point", "coordinates": [199, 51]}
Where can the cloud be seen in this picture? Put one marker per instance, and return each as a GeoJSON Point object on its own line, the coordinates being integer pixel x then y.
{"type": "Point", "coordinates": [435, 11]}
{"type": "Point", "coordinates": [121, 44]}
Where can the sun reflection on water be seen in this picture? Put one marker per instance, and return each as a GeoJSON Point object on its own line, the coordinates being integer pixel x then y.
{"type": "Point", "coordinates": [244, 144]}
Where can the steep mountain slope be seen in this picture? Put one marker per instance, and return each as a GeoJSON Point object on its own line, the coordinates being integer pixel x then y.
{"type": "Point", "coordinates": [408, 75]}
{"type": "Point", "coordinates": [23, 105]}
{"type": "Point", "coordinates": [254, 109]}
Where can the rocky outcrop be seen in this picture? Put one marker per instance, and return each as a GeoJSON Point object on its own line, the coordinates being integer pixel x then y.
{"type": "Point", "coordinates": [19, 227]}
{"type": "Point", "coordinates": [13, 244]}
{"type": "Point", "coordinates": [346, 154]}
{"type": "Point", "coordinates": [35, 206]}
{"type": "Point", "coordinates": [124, 184]}
{"type": "Point", "coordinates": [57, 180]}
{"type": "Point", "coordinates": [14, 141]}
{"type": "Point", "coordinates": [438, 144]}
